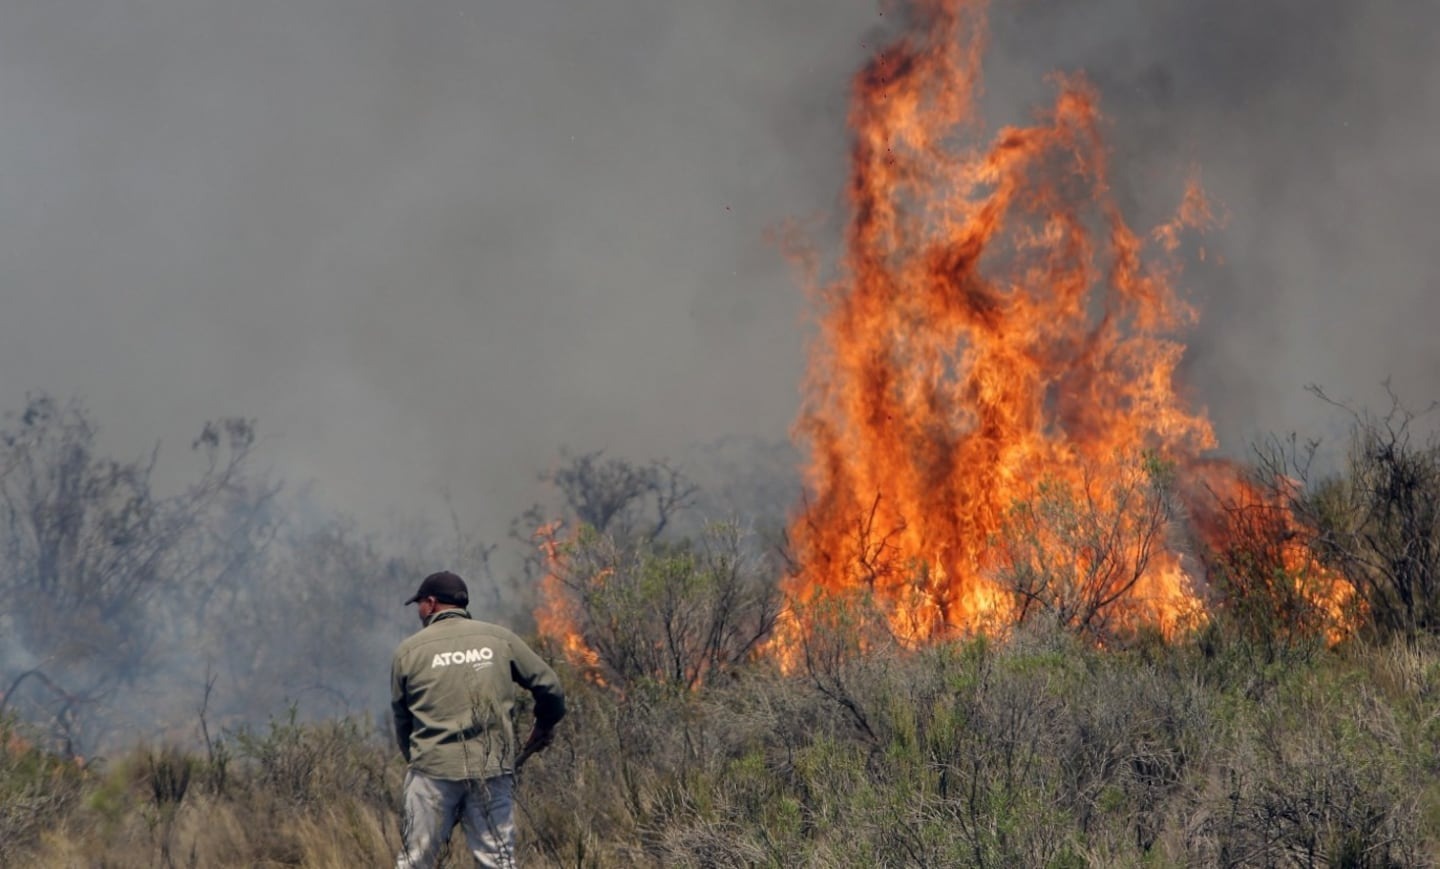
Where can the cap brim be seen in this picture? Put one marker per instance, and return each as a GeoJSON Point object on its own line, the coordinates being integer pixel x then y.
{"type": "Point", "coordinates": [413, 599]}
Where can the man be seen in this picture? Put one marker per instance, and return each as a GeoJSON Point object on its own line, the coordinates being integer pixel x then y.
{"type": "Point", "coordinates": [452, 687]}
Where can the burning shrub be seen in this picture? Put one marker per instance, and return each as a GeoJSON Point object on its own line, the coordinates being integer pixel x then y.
{"type": "Point", "coordinates": [1094, 559]}
{"type": "Point", "coordinates": [1268, 589]}
{"type": "Point", "coordinates": [1359, 548]}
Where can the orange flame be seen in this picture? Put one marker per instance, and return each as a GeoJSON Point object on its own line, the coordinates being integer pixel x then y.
{"type": "Point", "coordinates": [558, 617]}
{"type": "Point", "coordinates": [999, 340]}
{"type": "Point", "coordinates": [1257, 547]}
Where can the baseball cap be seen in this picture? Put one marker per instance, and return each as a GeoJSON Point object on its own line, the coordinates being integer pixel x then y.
{"type": "Point", "coordinates": [443, 586]}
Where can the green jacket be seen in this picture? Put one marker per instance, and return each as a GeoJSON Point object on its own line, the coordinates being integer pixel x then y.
{"type": "Point", "coordinates": [452, 690]}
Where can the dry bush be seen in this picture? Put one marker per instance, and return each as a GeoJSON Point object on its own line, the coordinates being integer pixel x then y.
{"type": "Point", "coordinates": [1376, 521]}
{"type": "Point", "coordinates": [1136, 739]}
{"type": "Point", "coordinates": [1380, 521]}
{"type": "Point", "coordinates": [584, 801]}
{"type": "Point", "coordinates": [314, 795]}
{"type": "Point", "coordinates": [298, 764]}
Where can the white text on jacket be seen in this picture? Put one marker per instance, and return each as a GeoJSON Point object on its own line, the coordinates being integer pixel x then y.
{"type": "Point", "coordinates": [469, 656]}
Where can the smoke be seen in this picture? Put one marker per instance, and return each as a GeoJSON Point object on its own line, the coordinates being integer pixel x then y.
{"type": "Point", "coordinates": [428, 244]}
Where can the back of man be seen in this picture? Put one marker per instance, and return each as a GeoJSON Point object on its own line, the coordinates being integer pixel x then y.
{"type": "Point", "coordinates": [456, 680]}
{"type": "Point", "coordinates": [453, 699]}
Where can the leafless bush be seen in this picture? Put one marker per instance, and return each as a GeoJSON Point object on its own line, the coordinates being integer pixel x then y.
{"type": "Point", "coordinates": [629, 503]}
{"type": "Point", "coordinates": [1378, 522]}
{"type": "Point", "coordinates": [621, 498]}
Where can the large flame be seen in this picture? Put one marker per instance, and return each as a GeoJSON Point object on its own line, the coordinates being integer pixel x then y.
{"type": "Point", "coordinates": [991, 412]}
{"type": "Point", "coordinates": [997, 332]}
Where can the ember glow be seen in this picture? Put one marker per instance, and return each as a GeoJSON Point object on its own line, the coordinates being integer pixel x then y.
{"type": "Point", "coordinates": [998, 338]}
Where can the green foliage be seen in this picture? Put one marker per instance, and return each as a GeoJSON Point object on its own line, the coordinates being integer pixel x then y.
{"type": "Point", "coordinates": [36, 788]}
{"type": "Point", "coordinates": [677, 614]}
{"type": "Point", "coordinates": [1072, 555]}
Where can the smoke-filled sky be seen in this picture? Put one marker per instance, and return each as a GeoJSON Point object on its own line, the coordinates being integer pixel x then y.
{"type": "Point", "coordinates": [427, 244]}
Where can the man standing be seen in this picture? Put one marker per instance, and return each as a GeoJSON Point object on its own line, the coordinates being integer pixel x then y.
{"type": "Point", "coordinates": [452, 687]}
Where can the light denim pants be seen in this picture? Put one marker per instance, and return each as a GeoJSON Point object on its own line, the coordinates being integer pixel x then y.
{"type": "Point", "coordinates": [485, 807]}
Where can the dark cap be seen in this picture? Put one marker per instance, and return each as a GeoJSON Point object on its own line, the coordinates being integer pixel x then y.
{"type": "Point", "coordinates": [445, 587]}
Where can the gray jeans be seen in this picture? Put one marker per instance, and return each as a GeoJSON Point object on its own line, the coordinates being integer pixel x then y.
{"type": "Point", "coordinates": [432, 806]}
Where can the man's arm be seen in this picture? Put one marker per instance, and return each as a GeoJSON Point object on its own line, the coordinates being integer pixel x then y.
{"type": "Point", "coordinates": [531, 672]}
{"type": "Point", "coordinates": [400, 708]}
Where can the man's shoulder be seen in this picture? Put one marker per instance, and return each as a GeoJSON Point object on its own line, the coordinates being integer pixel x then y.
{"type": "Point", "coordinates": [450, 630]}
{"type": "Point", "coordinates": [408, 645]}
{"type": "Point", "coordinates": [498, 636]}
{"type": "Point", "coordinates": [491, 628]}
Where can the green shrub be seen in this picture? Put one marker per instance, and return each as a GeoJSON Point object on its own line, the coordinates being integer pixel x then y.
{"type": "Point", "coordinates": [36, 788]}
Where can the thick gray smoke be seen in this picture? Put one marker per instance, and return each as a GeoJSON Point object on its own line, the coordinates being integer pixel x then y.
{"type": "Point", "coordinates": [427, 244]}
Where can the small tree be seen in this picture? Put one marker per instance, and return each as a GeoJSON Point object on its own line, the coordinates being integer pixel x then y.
{"type": "Point", "coordinates": [88, 546]}
{"type": "Point", "coordinates": [1076, 555]}
{"type": "Point", "coordinates": [611, 496]}
{"type": "Point", "coordinates": [621, 498]}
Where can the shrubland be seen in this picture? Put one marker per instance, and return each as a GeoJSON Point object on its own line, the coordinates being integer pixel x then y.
{"type": "Point", "coordinates": [702, 733]}
{"type": "Point", "coordinates": [1043, 750]}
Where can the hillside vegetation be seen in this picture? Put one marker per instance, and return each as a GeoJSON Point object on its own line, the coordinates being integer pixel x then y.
{"type": "Point", "coordinates": [1041, 751]}
{"type": "Point", "coordinates": [705, 728]}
